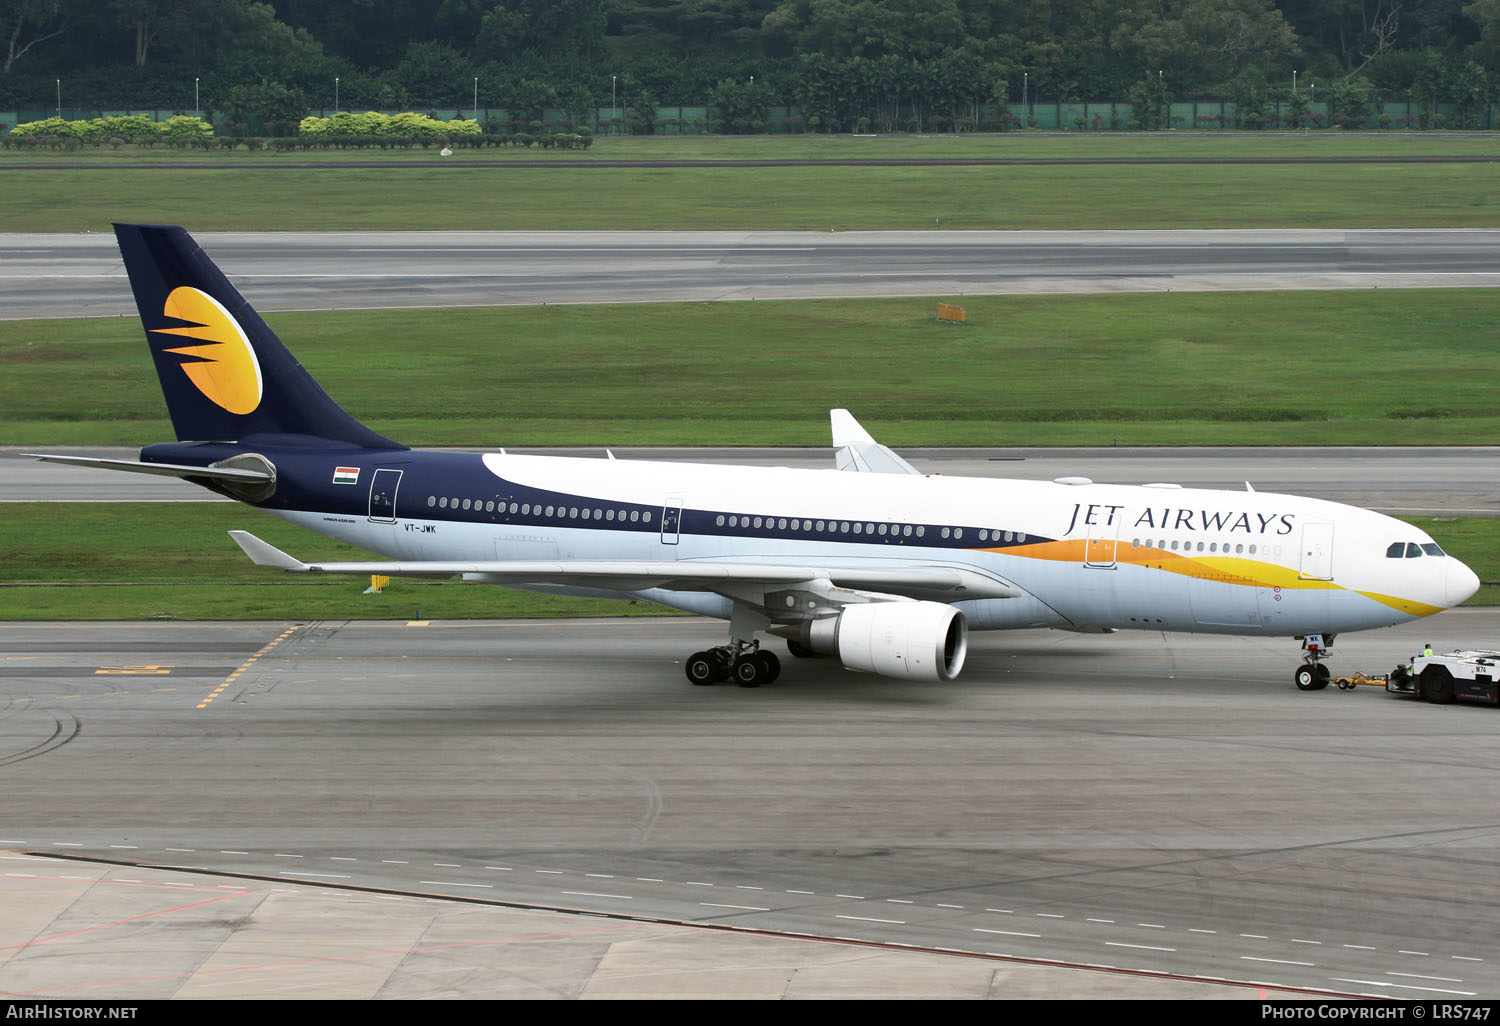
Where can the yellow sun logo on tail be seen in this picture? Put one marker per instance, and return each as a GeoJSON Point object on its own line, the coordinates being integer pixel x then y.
{"type": "Point", "coordinates": [225, 370]}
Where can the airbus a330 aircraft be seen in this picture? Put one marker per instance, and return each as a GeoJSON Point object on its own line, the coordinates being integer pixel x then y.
{"type": "Point", "coordinates": [875, 563]}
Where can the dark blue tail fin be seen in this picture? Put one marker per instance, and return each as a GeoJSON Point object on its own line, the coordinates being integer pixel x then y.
{"type": "Point", "coordinates": [225, 374]}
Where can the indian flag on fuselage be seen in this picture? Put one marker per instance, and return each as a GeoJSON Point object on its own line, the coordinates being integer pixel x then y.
{"type": "Point", "coordinates": [346, 475]}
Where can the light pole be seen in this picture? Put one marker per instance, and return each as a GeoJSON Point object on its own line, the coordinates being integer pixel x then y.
{"type": "Point", "coordinates": [59, 99]}
{"type": "Point", "coordinates": [1294, 80]}
{"type": "Point", "coordinates": [1025, 97]}
{"type": "Point", "coordinates": [614, 127]}
{"type": "Point", "coordinates": [196, 113]}
{"type": "Point", "coordinates": [335, 94]}
{"type": "Point", "coordinates": [476, 98]}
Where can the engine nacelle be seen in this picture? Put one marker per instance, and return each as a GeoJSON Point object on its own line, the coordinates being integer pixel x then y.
{"type": "Point", "coordinates": [906, 640]}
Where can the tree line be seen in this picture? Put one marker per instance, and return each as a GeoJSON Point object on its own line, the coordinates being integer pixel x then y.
{"type": "Point", "coordinates": [843, 63]}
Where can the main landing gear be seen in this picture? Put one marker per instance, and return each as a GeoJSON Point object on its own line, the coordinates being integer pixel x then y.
{"type": "Point", "coordinates": [742, 662]}
{"type": "Point", "coordinates": [1312, 675]}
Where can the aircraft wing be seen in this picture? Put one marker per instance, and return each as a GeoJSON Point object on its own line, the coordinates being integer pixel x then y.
{"type": "Point", "coordinates": [858, 451]}
{"type": "Point", "coordinates": [935, 581]}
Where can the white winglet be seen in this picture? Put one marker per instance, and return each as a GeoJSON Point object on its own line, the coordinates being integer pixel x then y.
{"type": "Point", "coordinates": [264, 554]}
{"type": "Point", "coordinates": [858, 451]}
{"type": "Point", "coordinates": [847, 430]}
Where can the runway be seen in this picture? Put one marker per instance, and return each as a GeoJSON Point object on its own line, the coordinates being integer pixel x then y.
{"type": "Point", "coordinates": [47, 275]}
{"type": "Point", "coordinates": [1160, 808]}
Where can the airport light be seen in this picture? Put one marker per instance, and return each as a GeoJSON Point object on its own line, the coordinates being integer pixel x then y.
{"type": "Point", "coordinates": [335, 94]}
{"type": "Point", "coordinates": [1025, 92]}
{"type": "Point", "coordinates": [195, 97]}
{"type": "Point", "coordinates": [476, 98]}
{"type": "Point", "coordinates": [613, 127]}
{"type": "Point", "coordinates": [59, 99]}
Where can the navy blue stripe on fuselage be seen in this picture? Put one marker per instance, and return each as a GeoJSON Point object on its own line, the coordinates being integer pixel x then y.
{"type": "Point", "coordinates": [435, 486]}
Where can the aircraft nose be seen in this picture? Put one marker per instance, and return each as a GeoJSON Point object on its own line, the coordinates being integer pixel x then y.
{"type": "Point", "coordinates": [1459, 583]}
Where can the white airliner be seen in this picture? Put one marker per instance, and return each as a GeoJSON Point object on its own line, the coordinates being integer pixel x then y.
{"type": "Point", "coordinates": [876, 564]}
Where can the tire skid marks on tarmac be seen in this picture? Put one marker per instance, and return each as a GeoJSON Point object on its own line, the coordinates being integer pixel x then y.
{"type": "Point", "coordinates": [64, 728]}
{"type": "Point", "coordinates": [1026, 925]}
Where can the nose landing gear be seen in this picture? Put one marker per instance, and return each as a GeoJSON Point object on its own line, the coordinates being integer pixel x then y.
{"type": "Point", "coordinates": [1312, 675]}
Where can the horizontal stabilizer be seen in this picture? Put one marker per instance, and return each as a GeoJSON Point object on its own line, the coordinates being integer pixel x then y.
{"type": "Point", "coordinates": [859, 452]}
{"type": "Point", "coordinates": [162, 469]}
{"type": "Point", "coordinates": [949, 583]}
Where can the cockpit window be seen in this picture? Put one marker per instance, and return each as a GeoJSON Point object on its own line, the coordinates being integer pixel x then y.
{"type": "Point", "coordinates": [1396, 550]}
{"type": "Point", "coordinates": [1413, 550]}
{"type": "Point", "coordinates": [1431, 548]}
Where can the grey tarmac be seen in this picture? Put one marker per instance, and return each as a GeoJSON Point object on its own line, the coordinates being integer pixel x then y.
{"type": "Point", "coordinates": [81, 275]}
{"type": "Point", "coordinates": [1161, 810]}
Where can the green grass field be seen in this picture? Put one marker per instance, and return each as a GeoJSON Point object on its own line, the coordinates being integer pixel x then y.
{"type": "Point", "coordinates": [759, 198]}
{"type": "Point", "coordinates": [416, 190]}
{"type": "Point", "coordinates": [1293, 368]}
{"type": "Point", "coordinates": [138, 561]}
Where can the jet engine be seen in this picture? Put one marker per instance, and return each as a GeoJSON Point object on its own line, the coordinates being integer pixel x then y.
{"type": "Point", "coordinates": [906, 640]}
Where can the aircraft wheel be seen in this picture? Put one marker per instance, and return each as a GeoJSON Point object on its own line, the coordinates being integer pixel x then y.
{"type": "Point", "coordinates": [750, 672]}
{"type": "Point", "coordinates": [1307, 678]}
{"type": "Point", "coordinates": [771, 664]}
{"type": "Point", "coordinates": [700, 669]}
